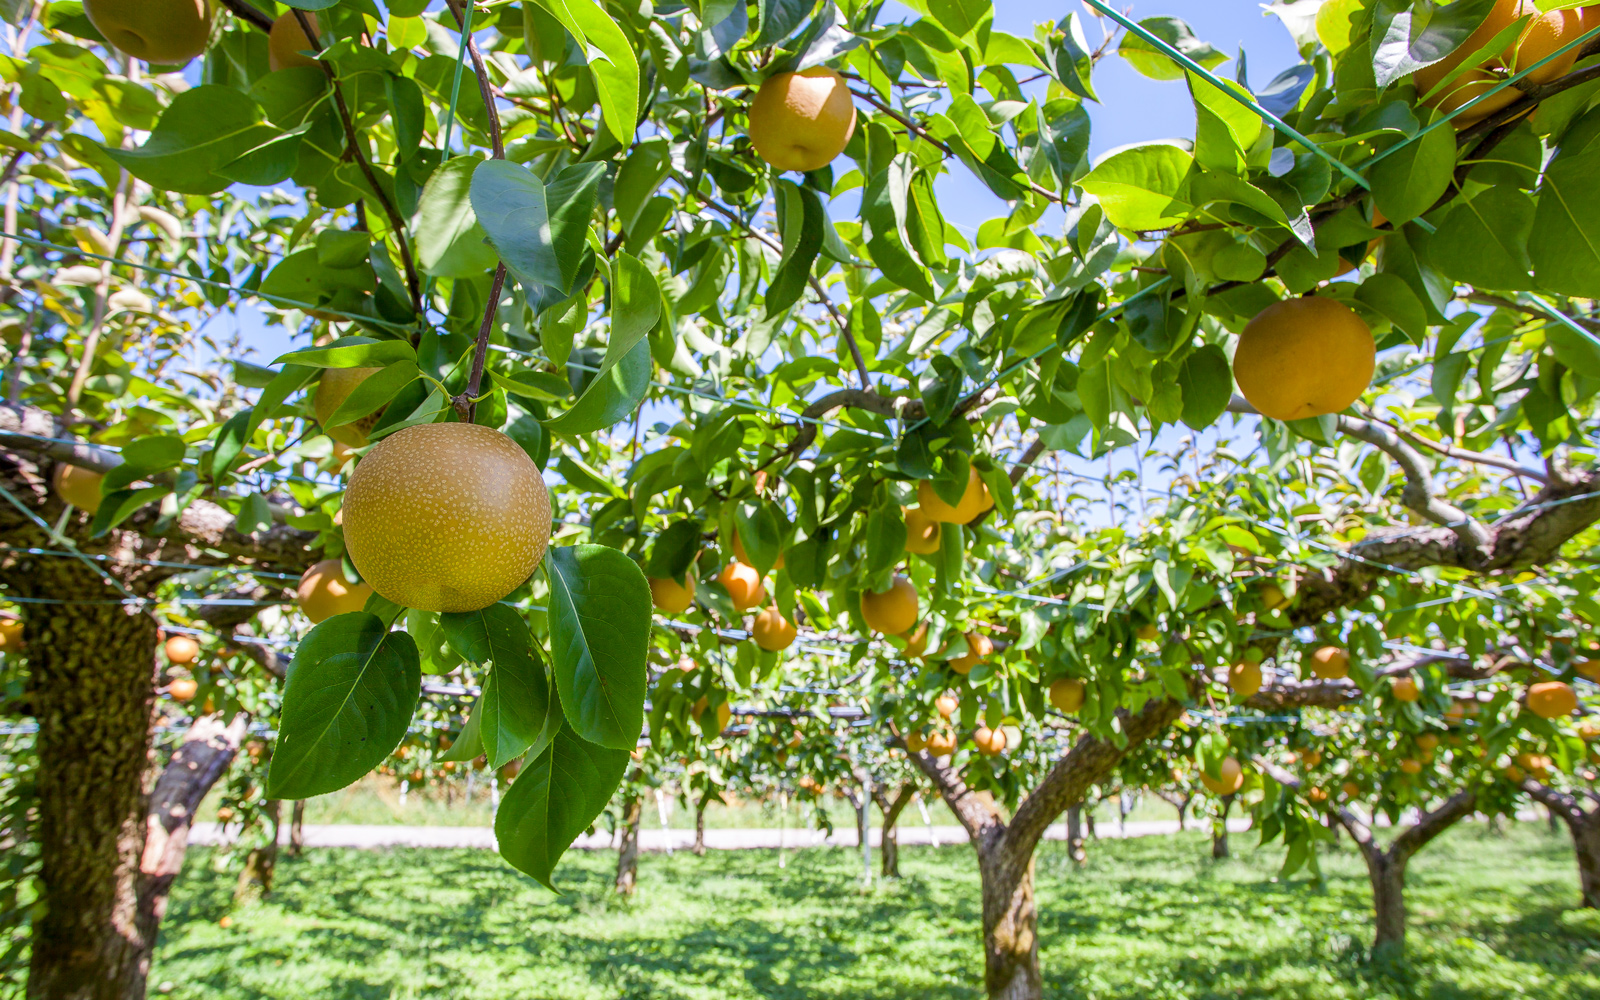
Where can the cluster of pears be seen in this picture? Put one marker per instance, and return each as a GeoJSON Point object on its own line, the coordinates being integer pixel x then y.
{"type": "Point", "coordinates": [172, 32]}
{"type": "Point", "coordinates": [1541, 35]}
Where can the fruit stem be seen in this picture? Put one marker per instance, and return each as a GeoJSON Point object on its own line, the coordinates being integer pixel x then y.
{"type": "Point", "coordinates": [246, 12]}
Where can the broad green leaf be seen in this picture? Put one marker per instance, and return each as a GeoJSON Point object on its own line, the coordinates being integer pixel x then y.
{"type": "Point", "coordinates": [375, 392]}
{"type": "Point", "coordinates": [1152, 62]}
{"type": "Point", "coordinates": [1207, 384]}
{"type": "Point", "coordinates": [1407, 36]}
{"type": "Point", "coordinates": [1391, 296]}
{"type": "Point", "coordinates": [553, 800]}
{"type": "Point", "coordinates": [352, 352]}
{"type": "Point", "coordinates": [674, 550]}
{"type": "Point", "coordinates": [610, 397]}
{"type": "Point", "coordinates": [886, 538]}
{"type": "Point", "coordinates": [1565, 243]}
{"type": "Point", "coordinates": [1484, 241]}
{"type": "Point", "coordinates": [801, 219]}
{"type": "Point", "coordinates": [600, 609]}
{"type": "Point", "coordinates": [635, 307]}
{"type": "Point", "coordinates": [1407, 183]}
{"type": "Point", "coordinates": [448, 241]}
{"type": "Point", "coordinates": [351, 690]}
{"type": "Point", "coordinates": [201, 130]}
{"type": "Point", "coordinates": [1143, 187]}
{"type": "Point", "coordinates": [758, 530]}
{"type": "Point", "coordinates": [117, 506]}
{"type": "Point", "coordinates": [516, 694]}
{"type": "Point", "coordinates": [144, 457]}
{"type": "Point", "coordinates": [468, 744]}
{"type": "Point", "coordinates": [611, 60]}
{"type": "Point", "coordinates": [508, 200]}
{"type": "Point", "coordinates": [961, 17]}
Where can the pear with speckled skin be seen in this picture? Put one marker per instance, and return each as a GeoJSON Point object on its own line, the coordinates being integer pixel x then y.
{"type": "Point", "coordinates": [446, 517]}
{"type": "Point", "coordinates": [170, 32]}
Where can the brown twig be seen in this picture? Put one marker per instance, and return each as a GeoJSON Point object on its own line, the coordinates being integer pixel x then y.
{"type": "Point", "coordinates": [354, 145]}
{"type": "Point", "coordinates": [466, 403]}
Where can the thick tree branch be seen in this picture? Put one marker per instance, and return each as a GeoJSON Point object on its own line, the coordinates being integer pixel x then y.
{"type": "Point", "coordinates": [978, 817]}
{"type": "Point", "coordinates": [1430, 824]}
{"type": "Point", "coordinates": [1564, 805]}
{"type": "Point", "coordinates": [207, 750]}
{"type": "Point", "coordinates": [1418, 491]}
{"type": "Point", "coordinates": [1088, 763]}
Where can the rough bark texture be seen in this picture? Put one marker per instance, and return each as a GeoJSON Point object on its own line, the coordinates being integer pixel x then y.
{"type": "Point", "coordinates": [1005, 850]}
{"type": "Point", "coordinates": [892, 807]}
{"type": "Point", "coordinates": [628, 856]}
{"type": "Point", "coordinates": [91, 685]}
{"type": "Point", "coordinates": [1584, 826]}
{"type": "Point", "coordinates": [204, 756]}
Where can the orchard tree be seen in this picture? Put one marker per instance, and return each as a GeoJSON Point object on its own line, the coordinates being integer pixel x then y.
{"type": "Point", "coordinates": [604, 247]}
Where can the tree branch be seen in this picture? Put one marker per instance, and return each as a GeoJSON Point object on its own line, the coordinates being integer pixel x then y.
{"type": "Point", "coordinates": [357, 150]}
{"type": "Point", "coordinates": [844, 330]}
{"type": "Point", "coordinates": [1418, 491]}
{"type": "Point", "coordinates": [1564, 805]}
{"type": "Point", "coordinates": [1431, 824]}
{"type": "Point", "coordinates": [1088, 763]}
{"type": "Point", "coordinates": [250, 14]}
{"type": "Point", "coordinates": [979, 818]}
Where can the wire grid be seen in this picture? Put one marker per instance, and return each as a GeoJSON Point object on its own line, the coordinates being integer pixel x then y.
{"type": "Point", "coordinates": [1275, 121]}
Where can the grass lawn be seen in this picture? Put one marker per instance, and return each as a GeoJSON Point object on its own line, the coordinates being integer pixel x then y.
{"type": "Point", "coordinates": [1150, 919]}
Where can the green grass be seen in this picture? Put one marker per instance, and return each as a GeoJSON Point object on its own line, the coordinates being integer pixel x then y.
{"type": "Point", "coordinates": [1150, 919]}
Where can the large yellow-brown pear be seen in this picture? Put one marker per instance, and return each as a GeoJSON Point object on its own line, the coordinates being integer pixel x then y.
{"type": "Point", "coordinates": [157, 31]}
{"type": "Point", "coordinates": [1303, 358]}
{"type": "Point", "coordinates": [801, 121]}
{"type": "Point", "coordinates": [446, 517]}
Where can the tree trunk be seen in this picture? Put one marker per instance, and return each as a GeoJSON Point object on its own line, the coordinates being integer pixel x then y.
{"type": "Point", "coordinates": [1075, 844]}
{"type": "Point", "coordinates": [1387, 873]}
{"type": "Point", "coordinates": [890, 837]}
{"type": "Point", "coordinates": [297, 832]}
{"type": "Point", "coordinates": [262, 862]}
{"type": "Point", "coordinates": [1219, 832]}
{"type": "Point", "coordinates": [1010, 925]}
{"type": "Point", "coordinates": [91, 685]}
{"type": "Point", "coordinates": [700, 829]}
{"type": "Point", "coordinates": [628, 856]}
{"type": "Point", "coordinates": [1586, 844]}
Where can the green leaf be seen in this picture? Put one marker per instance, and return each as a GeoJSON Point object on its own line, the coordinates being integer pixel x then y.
{"type": "Point", "coordinates": [351, 690]}
{"type": "Point", "coordinates": [758, 530]}
{"type": "Point", "coordinates": [674, 550]}
{"type": "Point", "coordinates": [201, 131]}
{"type": "Point", "coordinates": [1152, 62]}
{"type": "Point", "coordinates": [117, 506]}
{"type": "Point", "coordinates": [1392, 297]}
{"type": "Point", "coordinates": [509, 202]}
{"type": "Point", "coordinates": [1408, 183]}
{"type": "Point", "coordinates": [1072, 59]}
{"type": "Point", "coordinates": [553, 800]}
{"type": "Point", "coordinates": [610, 397]}
{"type": "Point", "coordinates": [599, 635]}
{"type": "Point", "coordinates": [779, 18]}
{"type": "Point", "coordinates": [635, 307]}
{"type": "Point", "coordinates": [888, 252]}
{"type": "Point", "coordinates": [1145, 187]}
{"type": "Point", "coordinates": [375, 392]}
{"type": "Point", "coordinates": [801, 218]}
{"type": "Point", "coordinates": [468, 744]}
{"type": "Point", "coordinates": [1484, 242]}
{"type": "Point", "coordinates": [145, 457]}
{"type": "Point", "coordinates": [352, 352]}
{"type": "Point", "coordinates": [516, 694]}
{"type": "Point", "coordinates": [1407, 36]}
{"type": "Point", "coordinates": [611, 60]}
{"type": "Point", "coordinates": [449, 242]}
{"type": "Point", "coordinates": [886, 538]}
{"type": "Point", "coordinates": [1207, 384]}
{"type": "Point", "coordinates": [961, 17]}
{"type": "Point", "coordinates": [1565, 243]}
